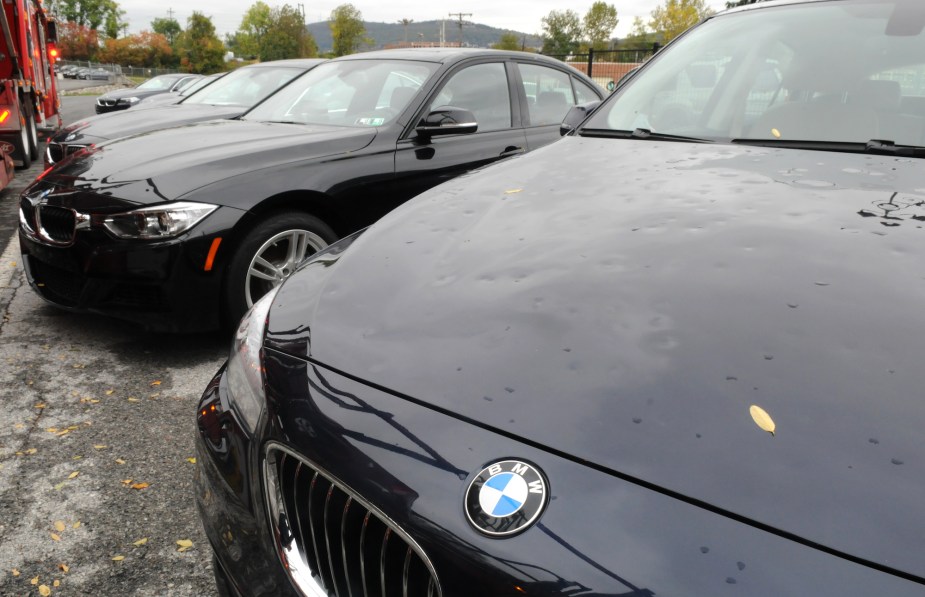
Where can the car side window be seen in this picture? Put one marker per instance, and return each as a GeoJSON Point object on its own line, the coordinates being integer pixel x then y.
{"type": "Point", "coordinates": [481, 89]}
{"type": "Point", "coordinates": [549, 94]}
{"type": "Point", "coordinates": [584, 93]}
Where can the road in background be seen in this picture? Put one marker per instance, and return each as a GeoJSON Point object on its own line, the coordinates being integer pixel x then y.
{"type": "Point", "coordinates": [96, 441]}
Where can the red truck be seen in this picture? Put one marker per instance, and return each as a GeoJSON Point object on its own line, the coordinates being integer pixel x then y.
{"type": "Point", "coordinates": [28, 92]}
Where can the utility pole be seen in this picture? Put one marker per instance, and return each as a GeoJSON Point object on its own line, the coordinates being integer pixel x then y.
{"type": "Point", "coordinates": [460, 16]}
{"type": "Point", "coordinates": [170, 13]}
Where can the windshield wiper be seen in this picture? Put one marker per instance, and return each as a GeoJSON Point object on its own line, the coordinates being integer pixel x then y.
{"type": "Point", "coordinates": [639, 134]}
{"type": "Point", "coordinates": [876, 146]}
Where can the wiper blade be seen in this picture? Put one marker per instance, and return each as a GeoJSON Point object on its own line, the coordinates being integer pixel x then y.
{"type": "Point", "coordinates": [891, 148]}
{"type": "Point", "coordinates": [876, 146]}
{"type": "Point", "coordinates": [639, 134]}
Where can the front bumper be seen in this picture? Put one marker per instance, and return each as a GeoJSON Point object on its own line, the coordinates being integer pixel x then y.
{"type": "Point", "coordinates": [600, 535]}
{"type": "Point", "coordinates": [160, 286]}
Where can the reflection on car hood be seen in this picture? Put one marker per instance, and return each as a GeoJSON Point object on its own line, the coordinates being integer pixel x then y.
{"type": "Point", "coordinates": [628, 302]}
{"type": "Point", "coordinates": [166, 164]}
{"type": "Point", "coordinates": [124, 123]}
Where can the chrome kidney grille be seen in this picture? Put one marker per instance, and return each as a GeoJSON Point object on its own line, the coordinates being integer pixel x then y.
{"type": "Point", "coordinates": [332, 542]}
{"type": "Point", "coordinates": [50, 224]}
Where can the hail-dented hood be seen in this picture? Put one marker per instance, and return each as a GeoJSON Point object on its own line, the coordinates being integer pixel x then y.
{"type": "Point", "coordinates": [628, 302]}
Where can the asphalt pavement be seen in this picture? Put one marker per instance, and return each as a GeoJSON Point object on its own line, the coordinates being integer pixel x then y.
{"type": "Point", "coordinates": [96, 442]}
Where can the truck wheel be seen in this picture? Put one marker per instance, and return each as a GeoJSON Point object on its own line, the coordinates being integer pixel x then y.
{"type": "Point", "coordinates": [269, 252]}
{"type": "Point", "coordinates": [22, 148]}
{"type": "Point", "coordinates": [32, 131]}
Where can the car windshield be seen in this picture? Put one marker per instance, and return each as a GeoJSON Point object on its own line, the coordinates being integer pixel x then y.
{"type": "Point", "coordinates": [199, 84]}
{"type": "Point", "coordinates": [842, 72]}
{"type": "Point", "coordinates": [245, 86]}
{"type": "Point", "coordinates": [158, 83]}
{"type": "Point", "coordinates": [356, 93]}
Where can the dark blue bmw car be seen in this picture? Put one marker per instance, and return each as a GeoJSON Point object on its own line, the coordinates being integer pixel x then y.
{"type": "Point", "coordinates": [677, 353]}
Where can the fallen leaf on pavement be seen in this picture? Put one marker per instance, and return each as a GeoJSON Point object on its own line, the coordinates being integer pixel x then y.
{"type": "Point", "coordinates": [118, 558]}
{"type": "Point", "coordinates": [59, 525]}
{"type": "Point", "coordinates": [44, 590]}
{"type": "Point", "coordinates": [73, 475]}
{"type": "Point", "coordinates": [140, 542]}
{"type": "Point", "coordinates": [55, 537]}
{"type": "Point", "coordinates": [140, 485]}
{"type": "Point", "coordinates": [64, 568]}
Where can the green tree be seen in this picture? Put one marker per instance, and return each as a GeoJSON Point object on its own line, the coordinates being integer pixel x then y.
{"type": "Point", "coordinates": [169, 28]}
{"type": "Point", "coordinates": [677, 16]}
{"type": "Point", "coordinates": [199, 48]}
{"type": "Point", "coordinates": [639, 38]}
{"type": "Point", "coordinates": [253, 29]}
{"type": "Point", "coordinates": [286, 36]}
{"type": "Point", "coordinates": [599, 23]}
{"type": "Point", "coordinates": [561, 32]}
{"type": "Point", "coordinates": [347, 29]}
{"type": "Point", "coordinates": [92, 14]}
{"type": "Point", "coordinates": [507, 41]}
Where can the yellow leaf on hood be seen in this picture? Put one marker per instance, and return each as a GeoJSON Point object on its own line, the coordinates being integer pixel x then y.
{"type": "Point", "coordinates": [762, 419]}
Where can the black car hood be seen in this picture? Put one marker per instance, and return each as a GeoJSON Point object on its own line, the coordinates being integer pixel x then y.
{"type": "Point", "coordinates": [124, 123]}
{"type": "Point", "coordinates": [626, 303]}
{"type": "Point", "coordinates": [167, 164]}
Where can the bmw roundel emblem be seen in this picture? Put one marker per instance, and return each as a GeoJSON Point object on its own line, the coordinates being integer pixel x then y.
{"type": "Point", "coordinates": [506, 497]}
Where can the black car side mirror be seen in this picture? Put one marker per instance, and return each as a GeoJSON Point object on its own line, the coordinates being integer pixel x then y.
{"type": "Point", "coordinates": [576, 115]}
{"type": "Point", "coordinates": [447, 120]}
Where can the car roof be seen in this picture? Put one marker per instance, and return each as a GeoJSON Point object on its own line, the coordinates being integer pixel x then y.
{"type": "Point", "coordinates": [444, 55]}
{"type": "Point", "coordinates": [302, 62]}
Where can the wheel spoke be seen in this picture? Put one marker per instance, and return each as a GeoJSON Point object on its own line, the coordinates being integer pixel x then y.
{"type": "Point", "coordinates": [268, 272]}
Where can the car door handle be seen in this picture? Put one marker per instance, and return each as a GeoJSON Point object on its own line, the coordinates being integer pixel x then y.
{"type": "Point", "coordinates": [511, 150]}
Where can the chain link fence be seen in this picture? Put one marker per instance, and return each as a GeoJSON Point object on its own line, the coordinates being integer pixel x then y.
{"type": "Point", "coordinates": [114, 73]}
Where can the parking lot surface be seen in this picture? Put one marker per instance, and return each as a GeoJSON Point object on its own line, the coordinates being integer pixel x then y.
{"type": "Point", "coordinates": [96, 443]}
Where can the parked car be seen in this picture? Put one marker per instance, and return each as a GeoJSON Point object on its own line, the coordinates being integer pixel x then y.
{"type": "Point", "coordinates": [68, 71]}
{"type": "Point", "coordinates": [122, 99]}
{"type": "Point", "coordinates": [166, 99]}
{"type": "Point", "coordinates": [184, 228]}
{"type": "Point", "coordinates": [677, 353]}
{"type": "Point", "coordinates": [96, 74]}
{"type": "Point", "coordinates": [231, 97]}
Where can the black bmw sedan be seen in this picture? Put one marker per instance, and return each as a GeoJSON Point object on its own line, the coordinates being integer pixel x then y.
{"type": "Point", "coordinates": [229, 97]}
{"type": "Point", "coordinates": [123, 99]}
{"type": "Point", "coordinates": [184, 228]}
{"type": "Point", "coordinates": [678, 353]}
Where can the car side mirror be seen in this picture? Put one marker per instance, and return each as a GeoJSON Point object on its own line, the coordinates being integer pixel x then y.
{"type": "Point", "coordinates": [576, 115]}
{"type": "Point", "coordinates": [447, 120]}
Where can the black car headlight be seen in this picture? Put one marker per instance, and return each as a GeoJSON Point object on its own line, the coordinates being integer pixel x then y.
{"type": "Point", "coordinates": [131, 101]}
{"type": "Point", "coordinates": [160, 221]}
{"type": "Point", "coordinates": [244, 374]}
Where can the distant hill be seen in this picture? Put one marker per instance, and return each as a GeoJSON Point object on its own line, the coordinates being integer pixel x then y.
{"type": "Point", "coordinates": [382, 34]}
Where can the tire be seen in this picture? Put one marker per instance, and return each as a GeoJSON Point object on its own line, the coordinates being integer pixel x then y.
{"type": "Point", "coordinates": [269, 252]}
{"type": "Point", "coordinates": [32, 131]}
{"type": "Point", "coordinates": [22, 146]}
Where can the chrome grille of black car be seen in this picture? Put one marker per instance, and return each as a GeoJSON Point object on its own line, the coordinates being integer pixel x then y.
{"type": "Point", "coordinates": [55, 152]}
{"type": "Point", "coordinates": [27, 213]}
{"type": "Point", "coordinates": [333, 542]}
{"type": "Point", "coordinates": [106, 102]}
{"type": "Point", "coordinates": [57, 223]}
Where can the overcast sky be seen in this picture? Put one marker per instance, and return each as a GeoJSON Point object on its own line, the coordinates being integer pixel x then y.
{"type": "Point", "coordinates": [519, 15]}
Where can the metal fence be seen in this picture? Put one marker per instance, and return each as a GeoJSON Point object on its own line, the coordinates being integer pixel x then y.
{"type": "Point", "coordinates": [118, 73]}
{"type": "Point", "coordinates": [607, 67]}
